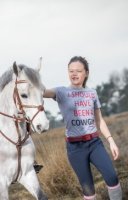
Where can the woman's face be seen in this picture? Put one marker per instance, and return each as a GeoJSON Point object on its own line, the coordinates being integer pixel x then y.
{"type": "Point", "coordinates": [77, 73]}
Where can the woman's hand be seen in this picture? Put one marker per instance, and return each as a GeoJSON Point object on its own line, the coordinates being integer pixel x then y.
{"type": "Point", "coordinates": [114, 149]}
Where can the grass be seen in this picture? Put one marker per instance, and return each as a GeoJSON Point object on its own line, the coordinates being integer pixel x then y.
{"type": "Point", "coordinates": [58, 179]}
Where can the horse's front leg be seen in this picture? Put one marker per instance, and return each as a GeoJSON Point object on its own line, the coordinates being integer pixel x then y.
{"type": "Point", "coordinates": [31, 183]}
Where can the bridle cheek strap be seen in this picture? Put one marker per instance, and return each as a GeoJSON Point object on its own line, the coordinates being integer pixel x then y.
{"type": "Point", "coordinates": [18, 101]}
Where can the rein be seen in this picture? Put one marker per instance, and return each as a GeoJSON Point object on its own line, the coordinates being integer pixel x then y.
{"type": "Point", "coordinates": [17, 120]}
{"type": "Point", "coordinates": [18, 144]}
{"type": "Point", "coordinates": [13, 117]}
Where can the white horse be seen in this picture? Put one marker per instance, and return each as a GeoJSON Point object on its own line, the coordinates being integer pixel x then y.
{"type": "Point", "coordinates": [21, 103]}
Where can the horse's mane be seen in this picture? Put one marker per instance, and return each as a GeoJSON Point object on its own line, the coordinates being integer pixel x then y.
{"type": "Point", "coordinates": [33, 76]}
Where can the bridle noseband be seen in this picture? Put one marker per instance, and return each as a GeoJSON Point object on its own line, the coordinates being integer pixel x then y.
{"type": "Point", "coordinates": [17, 100]}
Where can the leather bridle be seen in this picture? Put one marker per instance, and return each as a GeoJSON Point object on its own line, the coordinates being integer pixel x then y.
{"type": "Point", "coordinates": [17, 100]}
{"type": "Point", "coordinates": [17, 120]}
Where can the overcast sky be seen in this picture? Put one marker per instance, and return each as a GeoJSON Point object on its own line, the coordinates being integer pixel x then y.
{"type": "Point", "coordinates": [60, 29]}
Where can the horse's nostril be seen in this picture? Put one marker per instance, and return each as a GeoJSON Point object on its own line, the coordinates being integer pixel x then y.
{"type": "Point", "coordinates": [39, 127]}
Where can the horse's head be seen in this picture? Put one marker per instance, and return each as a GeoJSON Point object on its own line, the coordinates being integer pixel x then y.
{"type": "Point", "coordinates": [28, 96]}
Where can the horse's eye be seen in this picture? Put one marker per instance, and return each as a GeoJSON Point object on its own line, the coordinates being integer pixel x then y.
{"type": "Point", "coordinates": [24, 96]}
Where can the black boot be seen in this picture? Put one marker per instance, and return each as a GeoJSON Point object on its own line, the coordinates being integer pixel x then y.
{"type": "Point", "coordinates": [37, 167]}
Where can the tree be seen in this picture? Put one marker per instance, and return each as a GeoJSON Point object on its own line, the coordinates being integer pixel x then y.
{"type": "Point", "coordinates": [123, 102]}
{"type": "Point", "coordinates": [113, 95]}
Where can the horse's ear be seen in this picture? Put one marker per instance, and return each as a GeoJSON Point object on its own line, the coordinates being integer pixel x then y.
{"type": "Point", "coordinates": [15, 68]}
{"type": "Point", "coordinates": [40, 64]}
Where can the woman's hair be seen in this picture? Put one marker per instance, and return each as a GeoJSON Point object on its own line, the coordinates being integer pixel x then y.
{"type": "Point", "coordinates": [84, 62]}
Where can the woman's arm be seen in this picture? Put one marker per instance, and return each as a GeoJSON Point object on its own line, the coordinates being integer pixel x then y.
{"type": "Point", "coordinates": [101, 125]}
{"type": "Point", "coordinates": [50, 93]}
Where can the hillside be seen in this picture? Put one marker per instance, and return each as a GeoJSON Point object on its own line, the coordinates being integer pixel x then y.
{"type": "Point", "coordinates": [57, 177]}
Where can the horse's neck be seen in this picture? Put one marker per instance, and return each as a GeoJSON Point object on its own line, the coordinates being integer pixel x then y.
{"type": "Point", "coordinates": [6, 100]}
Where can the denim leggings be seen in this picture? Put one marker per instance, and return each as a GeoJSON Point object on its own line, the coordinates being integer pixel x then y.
{"type": "Point", "coordinates": [81, 154]}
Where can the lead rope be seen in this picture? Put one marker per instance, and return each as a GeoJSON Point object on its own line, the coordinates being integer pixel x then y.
{"type": "Point", "coordinates": [20, 144]}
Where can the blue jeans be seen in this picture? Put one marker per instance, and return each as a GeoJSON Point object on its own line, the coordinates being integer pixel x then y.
{"type": "Point", "coordinates": [81, 154]}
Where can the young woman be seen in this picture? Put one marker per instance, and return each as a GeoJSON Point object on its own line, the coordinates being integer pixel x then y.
{"type": "Point", "coordinates": [80, 108]}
